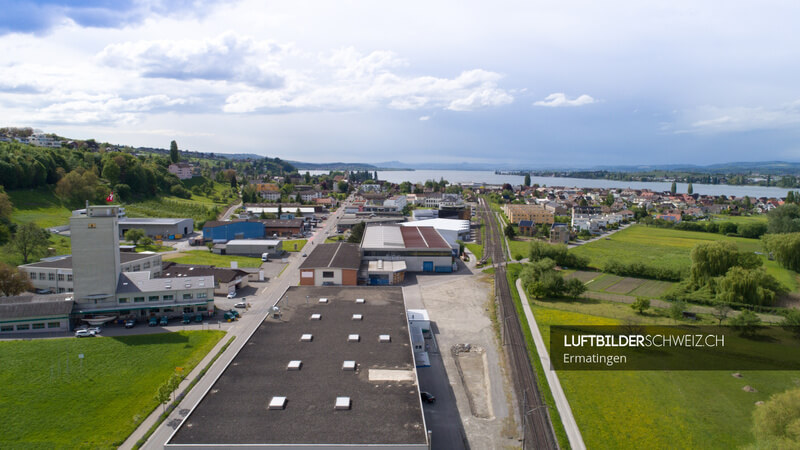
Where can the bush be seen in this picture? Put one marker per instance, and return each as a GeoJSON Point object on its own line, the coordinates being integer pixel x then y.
{"type": "Point", "coordinates": [752, 230]}
{"type": "Point", "coordinates": [642, 270]}
{"type": "Point", "coordinates": [558, 253]}
{"type": "Point", "coordinates": [746, 323]}
{"type": "Point", "coordinates": [776, 423]}
{"type": "Point", "coordinates": [641, 304]}
{"type": "Point", "coordinates": [180, 191]}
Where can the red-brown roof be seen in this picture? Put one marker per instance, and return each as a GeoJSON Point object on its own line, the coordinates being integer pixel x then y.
{"type": "Point", "coordinates": [422, 237]}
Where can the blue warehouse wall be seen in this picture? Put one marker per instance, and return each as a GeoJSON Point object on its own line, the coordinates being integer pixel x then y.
{"type": "Point", "coordinates": [236, 230]}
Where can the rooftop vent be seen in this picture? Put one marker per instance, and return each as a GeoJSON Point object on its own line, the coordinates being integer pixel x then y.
{"type": "Point", "coordinates": [277, 403]}
{"type": "Point", "coordinates": [385, 338]}
{"type": "Point", "coordinates": [349, 365]}
{"type": "Point", "coordinates": [357, 316]}
{"type": "Point", "coordinates": [359, 300]}
{"type": "Point", "coordinates": [342, 403]}
{"type": "Point", "coordinates": [316, 317]}
{"type": "Point", "coordinates": [353, 338]}
{"type": "Point", "coordinates": [188, 285]}
{"type": "Point", "coordinates": [306, 338]}
{"type": "Point", "coordinates": [323, 300]}
{"type": "Point", "coordinates": [295, 364]}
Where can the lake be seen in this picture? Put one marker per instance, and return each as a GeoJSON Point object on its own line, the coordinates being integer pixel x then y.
{"type": "Point", "coordinates": [489, 177]}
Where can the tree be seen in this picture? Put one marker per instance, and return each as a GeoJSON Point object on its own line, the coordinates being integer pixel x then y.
{"type": "Point", "coordinates": [134, 235]}
{"type": "Point", "coordinates": [792, 321]}
{"type": "Point", "coordinates": [527, 180]}
{"type": "Point", "coordinates": [574, 287]}
{"type": "Point", "coordinates": [29, 241]}
{"type": "Point", "coordinates": [690, 189]}
{"type": "Point", "coordinates": [78, 186]}
{"type": "Point", "coordinates": [776, 423]}
{"type": "Point", "coordinates": [12, 281]}
{"type": "Point", "coordinates": [162, 395]}
{"type": "Point", "coordinates": [784, 219]}
{"type": "Point", "coordinates": [111, 172]}
{"type": "Point", "coordinates": [356, 233]}
{"type": "Point", "coordinates": [785, 248]}
{"type": "Point", "coordinates": [674, 188]}
{"type": "Point", "coordinates": [509, 231]}
{"type": "Point", "coordinates": [676, 310]}
{"type": "Point", "coordinates": [234, 184]}
{"type": "Point", "coordinates": [5, 205]}
{"type": "Point", "coordinates": [146, 241]}
{"type": "Point", "coordinates": [609, 200]}
{"type": "Point", "coordinates": [749, 286]}
{"type": "Point", "coordinates": [746, 323]}
{"type": "Point", "coordinates": [721, 311]}
{"type": "Point", "coordinates": [174, 155]}
{"type": "Point", "coordinates": [713, 259]}
{"type": "Point", "coordinates": [641, 304]}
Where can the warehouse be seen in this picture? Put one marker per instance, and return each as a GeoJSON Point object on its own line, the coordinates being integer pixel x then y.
{"type": "Point", "coordinates": [35, 313]}
{"type": "Point", "coordinates": [250, 247]}
{"type": "Point", "coordinates": [282, 227]}
{"type": "Point", "coordinates": [335, 370]}
{"type": "Point", "coordinates": [158, 228]}
{"type": "Point", "coordinates": [331, 264]}
{"type": "Point", "coordinates": [215, 230]}
{"type": "Point", "coordinates": [381, 273]}
{"type": "Point", "coordinates": [423, 249]}
{"type": "Point", "coordinates": [226, 280]}
{"type": "Point", "coordinates": [452, 230]}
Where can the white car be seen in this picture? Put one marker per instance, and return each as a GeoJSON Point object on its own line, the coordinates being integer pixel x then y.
{"type": "Point", "coordinates": [95, 330]}
{"type": "Point", "coordinates": [232, 295]}
{"type": "Point", "coordinates": [240, 305]}
{"type": "Point", "coordinates": [84, 333]}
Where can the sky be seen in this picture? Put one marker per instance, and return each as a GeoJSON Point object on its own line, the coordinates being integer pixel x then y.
{"type": "Point", "coordinates": [534, 84]}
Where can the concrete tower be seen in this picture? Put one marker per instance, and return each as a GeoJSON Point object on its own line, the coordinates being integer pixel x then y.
{"type": "Point", "coordinates": [95, 255]}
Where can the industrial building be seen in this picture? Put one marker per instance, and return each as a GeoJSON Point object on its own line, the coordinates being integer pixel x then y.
{"type": "Point", "coordinates": [348, 221]}
{"type": "Point", "coordinates": [331, 264]}
{"type": "Point", "coordinates": [215, 230]}
{"type": "Point", "coordinates": [226, 280]}
{"type": "Point", "coordinates": [55, 273]}
{"type": "Point", "coordinates": [382, 272]}
{"type": "Point", "coordinates": [250, 247]}
{"type": "Point", "coordinates": [334, 370]}
{"type": "Point", "coordinates": [282, 227]}
{"type": "Point", "coordinates": [422, 249]}
{"type": "Point", "coordinates": [158, 228]}
{"type": "Point", "coordinates": [452, 230]}
{"type": "Point", "coordinates": [35, 313]}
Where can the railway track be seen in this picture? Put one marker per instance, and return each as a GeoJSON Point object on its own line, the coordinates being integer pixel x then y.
{"type": "Point", "coordinates": [537, 429]}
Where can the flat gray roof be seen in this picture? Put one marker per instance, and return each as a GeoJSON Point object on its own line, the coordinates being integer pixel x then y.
{"type": "Point", "coordinates": [151, 221]}
{"type": "Point", "coordinates": [134, 282]}
{"type": "Point", "coordinates": [341, 255]}
{"type": "Point", "coordinates": [32, 306]}
{"type": "Point", "coordinates": [65, 262]}
{"type": "Point", "coordinates": [235, 409]}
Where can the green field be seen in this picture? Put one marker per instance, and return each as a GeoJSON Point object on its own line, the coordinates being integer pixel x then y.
{"type": "Point", "coordinates": [658, 409]}
{"type": "Point", "coordinates": [519, 248]}
{"type": "Point", "coordinates": [757, 218]}
{"type": "Point", "coordinates": [288, 245]}
{"type": "Point", "coordinates": [204, 257]}
{"type": "Point", "coordinates": [220, 190]}
{"type": "Point", "coordinates": [476, 249]}
{"type": "Point", "coordinates": [52, 400]}
{"type": "Point", "coordinates": [606, 282]}
{"type": "Point", "coordinates": [40, 206]}
{"type": "Point", "coordinates": [61, 245]}
{"type": "Point", "coordinates": [669, 248]}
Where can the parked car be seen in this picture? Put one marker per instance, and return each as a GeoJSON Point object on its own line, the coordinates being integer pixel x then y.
{"type": "Point", "coordinates": [187, 318]}
{"type": "Point", "coordinates": [232, 295]}
{"type": "Point", "coordinates": [240, 305]}
{"type": "Point", "coordinates": [84, 333]}
{"type": "Point", "coordinates": [427, 397]}
{"type": "Point", "coordinates": [304, 255]}
{"type": "Point", "coordinates": [95, 330]}
{"type": "Point", "coordinates": [130, 323]}
{"type": "Point", "coordinates": [198, 318]}
{"type": "Point", "coordinates": [43, 291]}
{"type": "Point", "coordinates": [153, 322]}
{"type": "Point", "coordinates": [164, 321]}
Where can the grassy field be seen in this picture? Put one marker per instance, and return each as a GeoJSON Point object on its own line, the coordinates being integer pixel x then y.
{"type": "Point", "coordinates": [51, 400]}
{"type": "Point", "coordinates": [669, 248]}
{"type": "Point", "coordinates": [519, 248]}
{"type": "Point", "coordinates": [288, 245]}
{"type": "Point", "coordinates": [38, 205]}
{"type": "Point", "coordinates": [476, 249]}
{"type": "Point", "coordinates": [220, 190]}
{"type": "Point", "coordinates": [657, 409]}
{"type": "Point", "coordinates": [153, 248]}
{"type": "Point", "coordinates": [204, 257]}
{"type": "Point", "coordinates": [757, 218]}
{"type": "Point", "coordinates": [61, 245]}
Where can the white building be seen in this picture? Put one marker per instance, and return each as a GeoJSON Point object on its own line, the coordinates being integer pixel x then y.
{"type": "Point", "coordinates": [452, 230]}
{"type": "Point", "coordinates": [181, 170]}
{"type": "Point", "coordinates": [398, 202]}
{"type": "Point", "coordinates": [422, 248]}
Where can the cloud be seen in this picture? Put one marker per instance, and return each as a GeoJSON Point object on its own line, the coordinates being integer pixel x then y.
{"type": "Point", "coordinates": [103, 109]}
{"type": "Point", "coordinates": [424, 118]}
{"type": "Point", "coordinates": [558, 99]}
{"type": "Point", "coordinates": [714, 119]}
{"type": "Point", "coordinates": [29, 16]}
{"type": "Point", "coordinates": [227, 57]}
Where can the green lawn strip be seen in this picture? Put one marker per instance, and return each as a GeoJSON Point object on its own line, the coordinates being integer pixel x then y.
{"type": "Point", "coordinates": [522, 248]}
{"type": "Point", "coordinates": [756, 218]}
{"type": "Point", "coordinates": [489, 270]}
{"type": "Point", "coordinates": [659, 409]}
{"type": "Point", "coordinates": [281, 272]}
{"type": "Point", "coordinates": [512, 273]}
{"type": "Point", "coordinates": [153, 248]}
{"type": "Point", "coordinates": [289, 245]}
{"type": "Point", "coordinates": [174, 404]}
{"type": "Point", "coordinates": [51, 400]}
{"type": "Point", "coordinates": [476, 249]}
{"type": "Point", "coordinates": [203, 257]}
{"type": "Point", "coordinates": [38, 205]}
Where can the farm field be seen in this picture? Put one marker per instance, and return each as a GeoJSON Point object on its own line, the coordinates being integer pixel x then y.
{"type": "Point", "coordinates": [40, 206]}
{"type": "Point", "coordinates": [757, 218]}
{"type": "Point", "coordinates": [52, 400]}
{"type": "Point", "coordinates": [604, 282]}
{"type": "Point", "coordinates": [204, 257]}
{"type": "Point", "coordinates": [658, 409]}
{"type": "Point", "coordinates": [669, 248]}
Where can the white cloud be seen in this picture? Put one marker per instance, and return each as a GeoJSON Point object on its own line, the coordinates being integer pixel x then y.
{"type": "Point", "coordinates": [424, 118]}
{"type": "Point", "coordinates": [114, 109]}
{"type": "Point", "coordinates": [227, 57]}
{"type": "Point", "coordinates": [714, 119]}
{"type": "Point", "coordinates": [560, 99]}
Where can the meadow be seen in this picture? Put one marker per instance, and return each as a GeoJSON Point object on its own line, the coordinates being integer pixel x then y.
{"type": "Point", "coordinates": [669, 248]}
{"type": "Point", "coordinates": [204, 257]}
{"type": "Point", "coordinates": [53, 399]}
{"type": "Point", "coordinates": [289, 245]}
{"type": "Point", "coordinates": [40, 206]}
